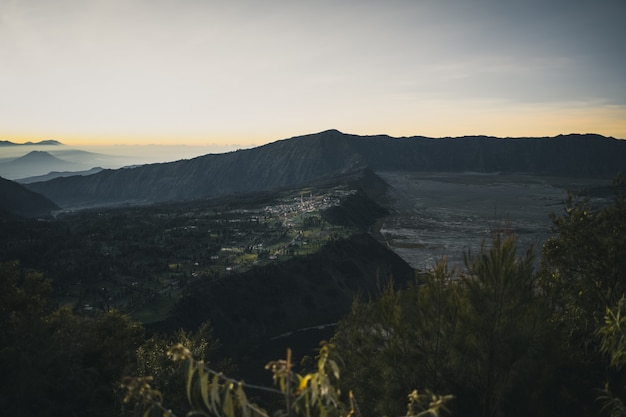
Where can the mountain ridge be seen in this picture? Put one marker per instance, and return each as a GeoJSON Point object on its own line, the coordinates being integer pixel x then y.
{"type": "Point", "coordinates": [292, 293]}
{"type": "Point", "coordinates": [37, 157]}
{"type": "Point", "coordinates": [56, 174]}
{"type": "Point", "coordinates": [299, 159]}
{"type": "Point", "coordinates": [17, 200]}
{"type": "Point", "coordinates": [51, 142]}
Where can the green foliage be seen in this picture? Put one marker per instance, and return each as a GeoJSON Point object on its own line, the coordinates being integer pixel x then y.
{"type": "Point", "coordinates": [500, 325]}
{"type": "Point", "coordinates": [152, 361]}
{"type": "Point", "coordinates": [54, 362]}
{"type": "Point", "coordinates": [23, 295]}
{"type": "Point", "coordinates": [436, 403]}
{"type": "Point", "coordinates": [476, 334]}
{"type": "Point", "coordinates": [311, 394]}
{"type": "Point", "coordinates": [582, 274]}
{"type": "Point", "coordinates": [398, 341]}
{"type": "Point", "coordinates": [503, 340]}
{"type": "Point", "coordinates": [613, 344]}
{"type": "Point", "coordinates": [436, 318]}
{"type": "Point", "coordinates": [211, 393]}
{"type": "Point", "coordinates": [613, 334]}
{"type": "Point", "coordinates": [583, 268]}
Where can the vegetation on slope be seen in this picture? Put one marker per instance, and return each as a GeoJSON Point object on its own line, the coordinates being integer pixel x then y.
{"type": "Point", "coordinates": [492, 334]}
{"type": "Point", "coordinates": [502, 338]}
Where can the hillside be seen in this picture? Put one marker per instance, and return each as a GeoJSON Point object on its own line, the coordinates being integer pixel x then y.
{"type": "Point", "coordinates": [256, 265]}
{"type": "Point", "coordinates": [17, 200]}
{"type": "Point", "coordinates": [56, 174]}
{"type": "Point", "coordinates": [304, 291]}
{"type": "Point", "coordinates": [301, 159]}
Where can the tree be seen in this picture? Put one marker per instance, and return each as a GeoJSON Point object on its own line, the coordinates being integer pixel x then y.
{"type": "Point", "coordinates": [87, 356]}
{"type": "Point", "coordinates": [583, 268]}
{"type": "Point", "coordinates": [582, 273]}
{"type": "Point", "coordinates": [500, 329]}
{"type": "Point", "coordinates": [54, 362]}
{"type": "Point", "coordinates": [476, 334]}
{"type": "Point", "coordinates": [399, 340]}
{"type": "Point", "coordinates": [613, 344]}
{"type": "Point", "coordinates": [23, 301]}
{"type": "Point", "coordinates": [151, 360]}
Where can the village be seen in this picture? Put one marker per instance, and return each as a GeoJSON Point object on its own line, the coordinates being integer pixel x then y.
{"type": "Point", "coordinates": [147, 256]}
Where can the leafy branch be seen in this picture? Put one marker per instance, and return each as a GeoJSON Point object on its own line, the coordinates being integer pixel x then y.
{"type": "Point", "coordinates": [212, 394]}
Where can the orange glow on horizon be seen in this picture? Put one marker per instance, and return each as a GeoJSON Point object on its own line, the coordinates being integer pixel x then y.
{"type": "Point", "coordinates": [434, 119]}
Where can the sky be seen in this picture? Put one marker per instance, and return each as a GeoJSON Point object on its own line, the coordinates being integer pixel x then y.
{"type": "Point", "coordinates": [204, 72]}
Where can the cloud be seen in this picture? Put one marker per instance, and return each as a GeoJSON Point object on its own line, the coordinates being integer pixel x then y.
{"type": "Point", "coordinates": [207, 67]}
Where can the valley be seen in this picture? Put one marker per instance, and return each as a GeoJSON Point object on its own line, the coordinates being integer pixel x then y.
{"type": "Point", "coordinates": [271, 246]}
{"type": "Point", "coordinates": [143, 260]}
{"type": "Point", "coordinates": [436, 214]}
{"type": "Point", "coordinates": [138, 260]}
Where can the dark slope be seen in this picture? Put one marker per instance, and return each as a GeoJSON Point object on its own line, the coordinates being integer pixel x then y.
{"type": "Point", "coordinates": [16, 199]}
{"type": "Point", "coordinates": [304, 291]}
{"type": "Point", "coordinates": [56, 174]}
{"type": "Point", "coordinates": [268, 167]}
{"type": "Point", "coordinates": [302, 159]}
{"type": "Point", "coordinates": [564, 155]}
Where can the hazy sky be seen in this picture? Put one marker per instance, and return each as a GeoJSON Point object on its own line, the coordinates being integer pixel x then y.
{"type": "Point", "coordinates": [250, 72]}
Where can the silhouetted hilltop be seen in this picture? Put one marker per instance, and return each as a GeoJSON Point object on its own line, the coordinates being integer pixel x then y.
{"type": "Point", "coordinates": [41, 142]}
{"type": "Point", "coordinates": [304, 291]}
{"type": "Point", "coordinates": [17, 200]}
{"type": "Point", "coordinates": [40, 162]}
{"type": "Point", "coordinates": [36, 157]}
{"type": "Point", "coordinates": [22, 163]}
{"type": "Point", "coordinates": [58, 174]}
{"type": "Point", "coordinates": [302, 159]}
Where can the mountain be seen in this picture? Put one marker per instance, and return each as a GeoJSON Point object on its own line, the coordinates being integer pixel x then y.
{"type": "Point", "coordinates": [37, 157]}
{"type": "Point", "coordinates": [56, 174]}
{"type": "Point", "coordinates": [301, 159]}
{"type": "Point", "coordinates": [17, 200]}
{"type": "Point", "coordinates": [41, 142]}
{"type": "Point", "coordinates": [303, 291]}
{"type": "Point", "coordinates": [44, 142]}
{"type": "Point", "coordinates": [36, 163]}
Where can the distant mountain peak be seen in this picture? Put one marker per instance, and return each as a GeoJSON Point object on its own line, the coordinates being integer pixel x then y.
{"type": "Point", "coordinates": [44, 142]}
{"type": "Point", "coordinates": [331, 132]}
{"type": "Point", "coordinates": [42, 156]}
{"type": "Point", "coordinates": [48, 142]}
{"type": "Point", "coordinates": [322, 134]}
